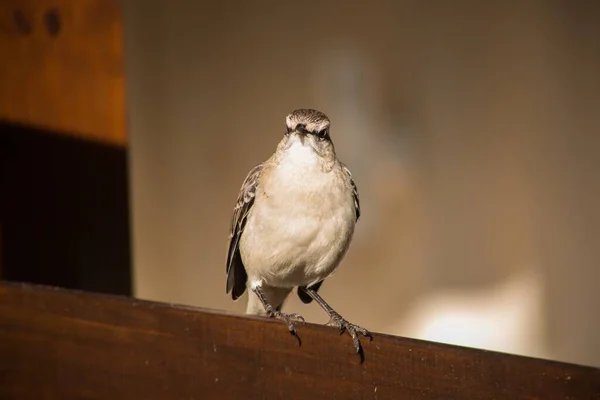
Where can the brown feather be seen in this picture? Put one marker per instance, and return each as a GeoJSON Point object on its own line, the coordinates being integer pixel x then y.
{"type": "Point", "coordinates": [236, 272]}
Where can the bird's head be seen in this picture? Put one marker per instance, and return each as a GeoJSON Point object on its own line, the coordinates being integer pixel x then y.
{"type": "Point", "coordinates": [310, 128]}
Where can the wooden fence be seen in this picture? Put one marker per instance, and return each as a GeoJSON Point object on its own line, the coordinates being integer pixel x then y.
{"type": "Point", "coordinates": [59, 344]}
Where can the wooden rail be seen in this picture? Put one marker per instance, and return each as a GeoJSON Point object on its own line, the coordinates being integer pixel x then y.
{"type": "Point", "coordinates": [65, 344]}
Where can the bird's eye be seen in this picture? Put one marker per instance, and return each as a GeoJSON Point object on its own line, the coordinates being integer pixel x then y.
{"type": "Point", "coordinates": [322, 134]}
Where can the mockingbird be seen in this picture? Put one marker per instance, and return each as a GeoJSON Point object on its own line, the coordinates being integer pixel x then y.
{"type": "Point", "coordinates": [293, 223]}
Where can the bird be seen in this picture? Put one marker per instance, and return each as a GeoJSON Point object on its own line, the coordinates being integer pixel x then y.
{"type": "Point", "coordinates": [292, 224]}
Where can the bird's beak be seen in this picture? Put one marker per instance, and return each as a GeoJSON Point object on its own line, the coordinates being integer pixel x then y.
{"type": "Point", "coordinates": [301, 135]}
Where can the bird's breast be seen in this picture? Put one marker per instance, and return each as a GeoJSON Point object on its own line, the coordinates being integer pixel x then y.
{"type": "Point", "coordinates": [300, 226]}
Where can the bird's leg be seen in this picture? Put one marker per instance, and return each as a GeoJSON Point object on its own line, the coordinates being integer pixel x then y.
{"type": "Point", "coordinates": [288, 319]}
{"type": "Point", "coordinates": [339, 322]}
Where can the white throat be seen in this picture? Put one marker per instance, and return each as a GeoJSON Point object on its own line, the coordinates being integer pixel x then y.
{"type": "Point", "coordinates": [300, 155]}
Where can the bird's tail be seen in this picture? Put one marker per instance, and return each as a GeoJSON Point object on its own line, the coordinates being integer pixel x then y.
{"type": "Point", "coordinates": [276, 297]}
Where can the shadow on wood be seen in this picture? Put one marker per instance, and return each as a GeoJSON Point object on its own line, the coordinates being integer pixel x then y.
{"type": "Point", "coordinates": [63, 344]}
{"type": "Point", "coordinates": [64, 210]}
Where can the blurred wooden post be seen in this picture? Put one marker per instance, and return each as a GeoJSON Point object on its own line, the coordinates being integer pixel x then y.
{"type": "Point", "coordinates": [63, 344]}
{"type": "Point", "coordinates": [62, 67]}
{"type": "Point", "coordinates": [63, 145]}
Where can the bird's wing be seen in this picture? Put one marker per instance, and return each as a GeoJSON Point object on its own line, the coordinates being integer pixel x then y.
{"type": "Point", "coordinates": [354, 192]}
{"type": "Point", "coordinates": [236, 273]}
{"type": "Point", "coordinates": [315, 286]}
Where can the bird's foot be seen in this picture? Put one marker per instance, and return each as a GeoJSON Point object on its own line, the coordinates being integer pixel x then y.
{"type": "Point", "coordinates": [289, 319]}
{"type": "Point", "coordinates": [343, 325]}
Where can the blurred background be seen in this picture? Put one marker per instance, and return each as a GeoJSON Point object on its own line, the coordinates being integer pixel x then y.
{"type": "Point", "coordinates": [472, 130]}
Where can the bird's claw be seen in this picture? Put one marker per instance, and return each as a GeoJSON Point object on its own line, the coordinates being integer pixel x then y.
{"type": "Point", "coordinates": [343, 325]}
{"type": "Point", "coordinates": [289, 319]}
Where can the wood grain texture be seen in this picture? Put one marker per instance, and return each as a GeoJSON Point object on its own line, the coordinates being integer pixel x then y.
{"type": "Point", "coordinates": [62, 66]}
{"type": "Point", "coordinates": [57, 344]}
